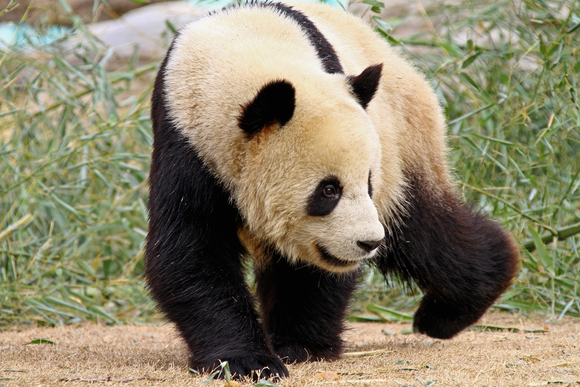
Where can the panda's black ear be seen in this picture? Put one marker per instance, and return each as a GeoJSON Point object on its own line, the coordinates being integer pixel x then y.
{"type": "Point", "coordinates": [365, 85]}
{"type": "Point", "coordinates": [274, 104]}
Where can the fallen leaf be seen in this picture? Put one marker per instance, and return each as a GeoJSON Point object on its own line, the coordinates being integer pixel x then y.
{"type": "Point", "coordinates": [489, 328]}
{"type": "Point", "coordinates": [367, 353]}
{"type": "Point", "coordinates": [42, 341]}
{"type": "Point", "coordinates": [327, 375]}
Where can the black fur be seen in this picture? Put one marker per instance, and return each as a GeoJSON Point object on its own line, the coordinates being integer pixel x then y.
{"type": "Point", "coordinates": [461, 260]}
{"type": "Point", "coordinates": [324, 49]}
{"type": "Point", "coordinates": [274, 104]}
{"type": "Point", "coordinates": [365, 85]}
{"type": "Point", "coordinates": [321, 204]}
{"type": "Point", "coordinates": [303, 309]}
{"type": "Point", "coordinates": [193, 265]}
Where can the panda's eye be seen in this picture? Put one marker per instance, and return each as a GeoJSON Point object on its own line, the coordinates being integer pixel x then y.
{"type": "Point", "coordinates": [325, 197]}
{"type": "Point", "coordinates": [330, 191]}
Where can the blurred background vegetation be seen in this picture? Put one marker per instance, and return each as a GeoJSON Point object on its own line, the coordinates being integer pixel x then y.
{"type": "Point", "coordinates": [75, 142]}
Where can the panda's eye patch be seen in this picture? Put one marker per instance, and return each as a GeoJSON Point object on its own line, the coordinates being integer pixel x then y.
{"type": "Point", "coordinates": [325, 197]}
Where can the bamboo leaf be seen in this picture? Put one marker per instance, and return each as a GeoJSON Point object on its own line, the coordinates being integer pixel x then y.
{"type": "Point", "coordinates": [41, 341]}
{"type": "Point", "coordinates": [388, 314]}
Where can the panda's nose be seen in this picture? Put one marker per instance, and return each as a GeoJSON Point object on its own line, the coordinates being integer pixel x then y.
{"type": "Point", "coordinates": [369, 246]}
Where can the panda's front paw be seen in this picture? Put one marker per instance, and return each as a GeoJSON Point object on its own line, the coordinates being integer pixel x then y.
{"type": "Point", "coordinates": [292, 352]}
{"type": "Point", "coordinates": [255, 367]}
{"type": "Point", "coordinates": [442, 320]}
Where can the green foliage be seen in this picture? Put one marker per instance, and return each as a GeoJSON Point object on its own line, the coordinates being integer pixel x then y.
{"type": "Point", "coordinates": [75, 140]}
{"type": "Point", "coordinates": [222, 371]}
{"type": "Point", "coordinates": [74, 156]}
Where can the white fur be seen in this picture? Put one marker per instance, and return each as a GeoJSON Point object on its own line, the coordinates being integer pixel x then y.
{"type": "Point", "coordinates": [219, 63]}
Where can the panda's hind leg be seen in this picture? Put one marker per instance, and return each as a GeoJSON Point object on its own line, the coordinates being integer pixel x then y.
{"type": "Point", "coordinates": [303, 309]}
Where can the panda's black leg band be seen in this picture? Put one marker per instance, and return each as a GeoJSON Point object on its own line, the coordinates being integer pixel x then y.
{"type": "Point", "coordinates": [304, 309]}
{"type": "Point", "coordinates": [461, 260]}
{"type": "Point", "coordinates": [193, 260]}
{"type": "Point", "coordinates": [195, 274]}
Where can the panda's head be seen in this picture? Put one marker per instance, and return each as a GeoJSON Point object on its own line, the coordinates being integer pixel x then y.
{"type": "Point", "coordinates": [311, 165]}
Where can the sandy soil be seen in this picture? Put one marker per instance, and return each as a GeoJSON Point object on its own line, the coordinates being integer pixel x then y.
{"type": "Point", "coordinates": [540, 353]}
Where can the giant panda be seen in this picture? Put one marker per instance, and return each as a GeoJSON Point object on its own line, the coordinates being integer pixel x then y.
{"type": "Point", "coordinates": [295, 137]}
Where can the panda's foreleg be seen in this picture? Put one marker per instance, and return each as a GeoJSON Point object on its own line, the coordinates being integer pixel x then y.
{"type": "Point", "coordinates": [461, 260]}
{"type": "Point", "coordinates": [303, 309]}
{"type": "Point", "coordinates": [193, 265]}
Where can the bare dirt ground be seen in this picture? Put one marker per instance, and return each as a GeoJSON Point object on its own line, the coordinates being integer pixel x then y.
{"type": "Point", "coordinates": [539, 353]}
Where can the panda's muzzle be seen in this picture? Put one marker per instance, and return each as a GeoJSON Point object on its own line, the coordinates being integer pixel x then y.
{"type": "Point", "coordinates": [331, 259]}
{"type": "Point", "coordinates": [338, 262]}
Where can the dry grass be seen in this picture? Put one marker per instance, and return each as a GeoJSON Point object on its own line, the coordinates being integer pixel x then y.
{"type": "Point", "coordinates": [148, 355]}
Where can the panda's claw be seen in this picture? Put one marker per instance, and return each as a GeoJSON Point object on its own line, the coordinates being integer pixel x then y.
{"type": "Point", "coordinates": [254, 367]}
{"type": "Point", "coordinates": [257, 367]}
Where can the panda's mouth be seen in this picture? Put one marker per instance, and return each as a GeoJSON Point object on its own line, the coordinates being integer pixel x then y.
{"type": "Point", "coordinates": [332, 260]}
